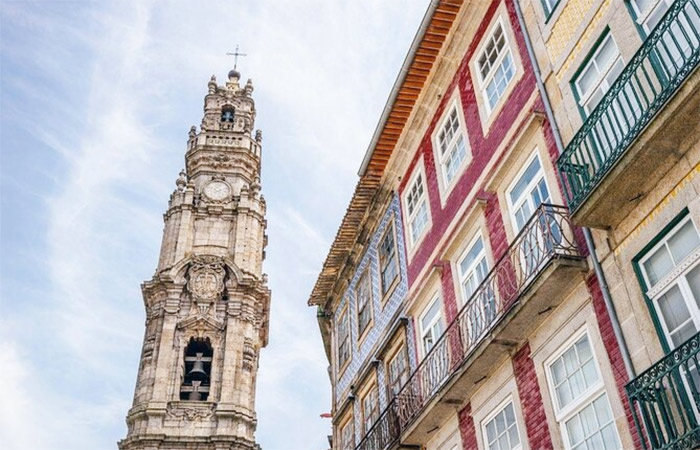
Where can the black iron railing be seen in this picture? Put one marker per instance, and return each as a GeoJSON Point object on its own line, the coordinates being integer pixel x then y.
{"type": "Point", "coordinates": [546, 235]}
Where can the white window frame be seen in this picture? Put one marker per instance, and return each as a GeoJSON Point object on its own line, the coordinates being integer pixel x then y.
{"type": "Point", "coordinates": [372, 389]}
{"type": "Point", "coordinates": [643, 16]}
{"type": "Point", "coordinates": [366, 279]}
{"type": "Point", "coordinates": [584, 97]}
{"type": "Point", "coordinates": [344, 315]}
{"type": "Point", "coordinates": [446, 185]}
{"type": "Point", "coordinates": [431, 326]}
{"type": "Point", "coordinates": [492, 415]}
{"type": "Point", "coordinates": [389, 231]}
{"type": "Point", "coordinates": [484, 82]}
{"type": "Point", "coordinates": [401, 351]}
{"type": "Point", "coordinates": [513, 207]}
{"type": "Point", "coordinates": [418, 171]}
{"type": "Point", "coordinates": [587, 397]}
{"type": "Point", "coordinates": [347, 423]}
{"type": "Point", "coordinates": [676, 277]}
{"type": "Point", "coordinates": [463, 276]}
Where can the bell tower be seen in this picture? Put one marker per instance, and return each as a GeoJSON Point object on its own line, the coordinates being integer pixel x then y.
{"type": "Point", "coordinates": [207, 305]}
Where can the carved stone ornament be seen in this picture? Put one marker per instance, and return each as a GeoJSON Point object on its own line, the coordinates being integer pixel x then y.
{"type": "Point", "coordinates": [206, 280]}
{"type": "Point", "coordinates": [190, 413]}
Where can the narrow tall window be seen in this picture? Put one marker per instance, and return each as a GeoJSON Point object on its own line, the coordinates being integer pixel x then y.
{"type": "Point", "coordinates": [452, 149]}
{"type": "Point", "coordinates": [398, 370]}
{"type": "Point", "coordinates": [370, 409]}
{"type": "Point", "coordinates": [347, 438]}
{"type": "Point", "coordinates": [417, 206]}
{"type": "Point", "coordinates": [197, 374]}
{"type": "Point", "coordinates": [388, 262]}
{"type": "Point", "coordinates": [473, 268]}
{"type": "Point", "coordinates": [671, 271]}
{"type": "Point", "coordinates": [496, 67]}
{"type": "Point", "coordinates": [343, 338]}
{"type": "Point", "coordinates": [527, 193]}
{"type": "Point", "coordinates": [431, 326]}
{"type": "Point", "coordinates": [363, 293]}
{"type": "Point", "coordinates": [501, 430]}
{"type": "Point", "coordinates": [580, 402]}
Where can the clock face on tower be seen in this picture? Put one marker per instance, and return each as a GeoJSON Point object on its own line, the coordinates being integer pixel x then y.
{"type": "Point", "coordinates": [217, 191]}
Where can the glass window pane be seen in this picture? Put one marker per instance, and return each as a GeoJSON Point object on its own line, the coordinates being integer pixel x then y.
{"type": "Point", "coordinates": [693, 278]}
{"type": "Point", "coordinates": [607, 53]}
{"type": "Point", "coordinates": [683, 242]}
{"type": "Point", "coordinates": [519, 188]}
{"type": "Point", "coordinates": [432, 313]}
{"type": "Point", "coordinates": [673, 309]}
{"type": "Point", "coordinates": [658, 265]}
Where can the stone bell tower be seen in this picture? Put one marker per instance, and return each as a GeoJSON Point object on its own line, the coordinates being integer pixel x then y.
{"type": "Point", "coordinates": [207, 306]}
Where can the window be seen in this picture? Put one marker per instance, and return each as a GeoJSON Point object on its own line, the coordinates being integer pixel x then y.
{"type": "Point", "coordinates": [527, 193]}
{"type": "Point", "coordinates": [671, 272]}
{"type": "Point", "coordinates": [370, 409]}
{"type": "Point", "coordinates": [397, 370]}
{"type": "Point", "coordinates": [343, 338]}
{"type": "Point", "coordinates": [417, 207]}
{"type": "Point", "coordinates": [580, 402]}
{"type": "Point", "coordinates": [431, 325]}
{"type": "Point", "coordinates": [347, 439]}
{"type": "Point", "coordinates": [451, 145]}
{"type": "Point", "coordinates": [363, 293]}
{"type": "Point", "coordinates": [197, 374]}
{"type": "Point", "coordinates": [599, 74]}
{"type": "Point", "coordinates": [549, 6]}
{"type": "Point", "coordinates": [675, 46]}
{"type": "Point", "coordinates": [227, 115]}
{"type": "Point", "coordinates": [501, 430]}
{"type": "Point", "coordinates": [388, 262]}
{"type": "Point", "coordinates": [473, 268]}
{"type": "Point", "coordinates": [495, 66]}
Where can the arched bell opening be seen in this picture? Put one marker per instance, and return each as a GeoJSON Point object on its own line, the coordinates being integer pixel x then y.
{"type": "Point", "coordinates": [197, 380]}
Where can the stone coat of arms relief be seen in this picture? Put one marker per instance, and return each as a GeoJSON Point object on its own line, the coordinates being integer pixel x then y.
{"type": "Point", "coordinates": [205, 282]}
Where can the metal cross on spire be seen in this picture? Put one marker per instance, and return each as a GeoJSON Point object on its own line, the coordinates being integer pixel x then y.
{"type": "Point", "coordinates": [235, 55]}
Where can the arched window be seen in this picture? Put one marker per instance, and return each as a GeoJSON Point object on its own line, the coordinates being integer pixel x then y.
{"type": "Point", "coordinates": [227, 115]}
{"type": "Point", "coordinates": [198, 358]}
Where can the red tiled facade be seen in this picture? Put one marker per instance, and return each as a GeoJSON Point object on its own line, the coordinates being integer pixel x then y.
{"type": "Point", "coordinates": [535, 418]}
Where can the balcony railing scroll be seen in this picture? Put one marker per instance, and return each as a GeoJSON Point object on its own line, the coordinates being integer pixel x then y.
{"type": "Point", "coordinates": [664, 61]}
{"type": "Point", "coordinates": [547, 234]}
{"type": "Point", "coordinates": [666, 399]}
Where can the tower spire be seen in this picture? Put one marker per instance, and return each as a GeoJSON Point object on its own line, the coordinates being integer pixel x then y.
{"type": "Point", "coordinates": [207, 306]}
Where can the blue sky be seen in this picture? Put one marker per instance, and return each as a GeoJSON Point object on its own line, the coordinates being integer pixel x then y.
{"type": "Point", "coordinates": [96, 99]}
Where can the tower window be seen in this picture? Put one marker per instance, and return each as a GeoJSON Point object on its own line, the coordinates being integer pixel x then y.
{"type": "Point", "coordinates": [198, 358]}
{"type": "Point", "coordinates": [227, 115]}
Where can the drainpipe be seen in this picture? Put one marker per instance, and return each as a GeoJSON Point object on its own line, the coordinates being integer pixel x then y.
{"type": "Point", "coordinates": [586, 232]}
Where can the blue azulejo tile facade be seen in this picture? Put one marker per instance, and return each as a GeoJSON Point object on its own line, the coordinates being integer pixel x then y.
{"type": "Point", "coordinates": [385, 312]}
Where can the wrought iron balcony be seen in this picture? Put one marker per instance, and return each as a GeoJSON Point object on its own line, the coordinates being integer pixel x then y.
{"type": "Point", "coordinates": [546, 236]}
{"type": "Point", "coordinates": [665, 60]}
{"type": "Point", "coordinates": [667, 397]}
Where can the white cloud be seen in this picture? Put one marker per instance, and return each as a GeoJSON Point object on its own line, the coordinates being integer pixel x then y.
{"type": "Point", "coordinates": [104, 93]}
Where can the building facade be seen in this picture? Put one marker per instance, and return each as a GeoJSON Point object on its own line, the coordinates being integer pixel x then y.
{"type": "Point", "coordinates": [624, 87]}
{"type": "Point", "coordinates": [207, 306]}
{"type": "Point", "coordinates": [500, 331]}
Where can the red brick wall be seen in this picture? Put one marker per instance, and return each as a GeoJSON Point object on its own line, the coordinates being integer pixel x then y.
{"type": "Point", "coordinates": [536, 425]}
{"type": "Point", "coordinates": [467, 431]}
{"type": "Point", "coordinates": [482, 146]}
{"type": "Point", "coordinates": [614, 354]}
